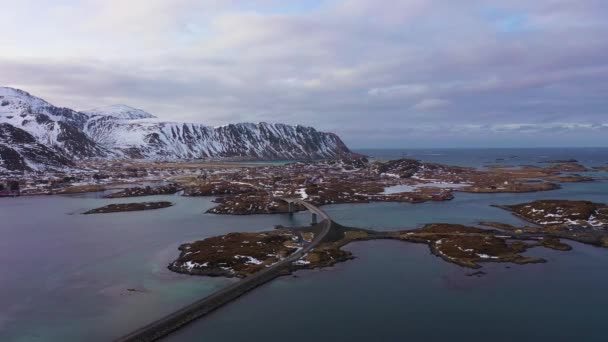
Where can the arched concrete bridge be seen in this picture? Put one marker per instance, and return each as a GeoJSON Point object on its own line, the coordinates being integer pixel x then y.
{"type": "Point", "coordinates": [314, 210]}
{"type": "Point", "coordinates": [172, 322]}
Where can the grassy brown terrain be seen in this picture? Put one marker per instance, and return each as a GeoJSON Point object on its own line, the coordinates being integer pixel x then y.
{"type": "Point", "coordinates": [581, 221]}
{"type": "Point", "coordinates": [242, 254]}
{"type": "Point", "coordinates": [468, 246]}
{"type": "Point", "coordinates": [122, 207]}
{"type": "Point", "coordinates": [562, 212]}
{"type": "Point", "coordinates": [235, 254]}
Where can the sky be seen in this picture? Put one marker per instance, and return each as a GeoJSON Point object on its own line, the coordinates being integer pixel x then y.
{"type": "Point", "coordinates": [409, 73]}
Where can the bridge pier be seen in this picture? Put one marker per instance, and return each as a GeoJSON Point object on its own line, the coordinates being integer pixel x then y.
{"type": "Point", "coordinates": [291, 207]}
{"type": "Point", "coordinates": [314, 218]}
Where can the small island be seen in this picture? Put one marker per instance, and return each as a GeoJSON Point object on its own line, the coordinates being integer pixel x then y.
{"type": "Point", "coordinates": [559, 161]}
{"type": "Point", "coordinates": [122, 207]}
{"type": "Point", "coordinates": [236, 254]}
{"type": "Point", "coordinates": [243, 254]}
{"type": "Point", "coordinates": [581, 221]}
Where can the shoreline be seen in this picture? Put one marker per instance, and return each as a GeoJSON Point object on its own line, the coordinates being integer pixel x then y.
{"type": "Point", "coordinates": [198, 309]}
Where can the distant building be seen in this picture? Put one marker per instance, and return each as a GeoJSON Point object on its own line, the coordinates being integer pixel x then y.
{"type": "Point", "coordinates": [10, 189]}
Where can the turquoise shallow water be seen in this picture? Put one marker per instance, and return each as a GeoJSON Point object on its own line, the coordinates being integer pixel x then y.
{"type": "Point", "coordinates": [64, 277]}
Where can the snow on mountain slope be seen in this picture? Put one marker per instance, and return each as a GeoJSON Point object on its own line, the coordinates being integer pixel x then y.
{"type": "Point", "coordinates": [120, 112]}
{"type": "Point", "coordinates": [59, 128]}
{"type": "Point", "coordinates": [152, 139]}
{"type": "Point", "coordinates": [19, 151]}
{"type": "Point", "coordinates": [16, 102]}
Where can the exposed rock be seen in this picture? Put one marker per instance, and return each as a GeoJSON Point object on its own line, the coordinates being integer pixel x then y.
{"type": "Point", "coordinates": [20, 151]}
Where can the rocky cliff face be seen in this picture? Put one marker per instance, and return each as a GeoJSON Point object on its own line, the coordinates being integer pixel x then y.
{"type": "Point", "coordinates": [59, 129]}
{"type": "Point", "coordinates": [20, 151]}
{"type": "Point", "coordinates": [36, 135]}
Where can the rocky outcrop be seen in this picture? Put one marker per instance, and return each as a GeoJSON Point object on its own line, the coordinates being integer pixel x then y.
{"type": "Point", "coordinates": [20, 151]}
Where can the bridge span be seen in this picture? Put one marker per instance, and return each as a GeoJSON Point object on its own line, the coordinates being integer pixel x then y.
{"type": "Point", "coordinates": [315, 211]}
{"type": "Point", "coordinates": [172, 322]}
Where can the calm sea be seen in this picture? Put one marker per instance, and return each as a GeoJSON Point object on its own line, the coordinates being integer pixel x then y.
{"type": "Point", "coordinates": [66, 276]}
{"type": "Point", "coordinates": [480, 157]}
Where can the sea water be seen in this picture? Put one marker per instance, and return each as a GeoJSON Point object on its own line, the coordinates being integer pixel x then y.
{"type": "Point", "coordinates": [71, 277]}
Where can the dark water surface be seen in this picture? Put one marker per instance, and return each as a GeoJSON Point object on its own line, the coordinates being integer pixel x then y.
{"type": "Point", "coordinates": [399, 292]}
{"type": "Point", "coordinates": [65, 276]}
{"type": "Point", "coordinates": [478, 157]}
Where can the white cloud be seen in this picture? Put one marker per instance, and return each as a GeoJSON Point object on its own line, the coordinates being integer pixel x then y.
{"type": "Point", "coordinates": [406, 90]}
{"type": "Point", "coordinates": [430, 104]}
{"type": "Point", "coordinates": [340, 66]}
{"type": "Point", "coordinates": [297, 82]}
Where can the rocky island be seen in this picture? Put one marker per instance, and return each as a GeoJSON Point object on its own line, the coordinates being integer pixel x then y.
{"type": "Point", "coordinates": [237, 254]}
{"type": "Point", "coordinates": [581, 221]}
{"type": "Point", "coordinates": [243, 254]}
{"type": "Point", "coordinates": [121, 207]}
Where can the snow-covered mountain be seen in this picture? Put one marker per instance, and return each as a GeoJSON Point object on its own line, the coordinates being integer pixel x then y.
{"type": "Point", "coordinates": [264, 141]}
{"type": "Point", "coordinates": [19, 150]}
{"type": "Point", "coordinates": [58, 130]}
{"type": "Point", "coordinates": [120, 112]}
{"type": "Point", "coordinates": [36, 135]}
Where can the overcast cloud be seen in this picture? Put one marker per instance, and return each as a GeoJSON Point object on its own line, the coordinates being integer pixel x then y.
{"type": "Point", "coordinates": [406, 73]}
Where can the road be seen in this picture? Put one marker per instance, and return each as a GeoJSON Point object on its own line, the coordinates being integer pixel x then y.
{"type": "Point", "coordinates": [325, 222]}
{"type": "Point", "coordinates": [170, 323]}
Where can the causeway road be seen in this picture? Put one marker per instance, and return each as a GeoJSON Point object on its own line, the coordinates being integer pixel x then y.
{"type": "Point", "coordinates": [172, 322]}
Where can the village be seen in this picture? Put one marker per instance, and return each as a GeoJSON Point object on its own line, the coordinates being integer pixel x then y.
{"type": "Point", "coordinates": [254, 188]}
{"type": "Point", "coordinates": [243, 188]}
{"type": "Point", "coordinates": [352, 180]}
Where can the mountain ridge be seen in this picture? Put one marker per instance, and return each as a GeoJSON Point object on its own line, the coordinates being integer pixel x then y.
{"type": "Point", "coordinates": [120, 131]}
